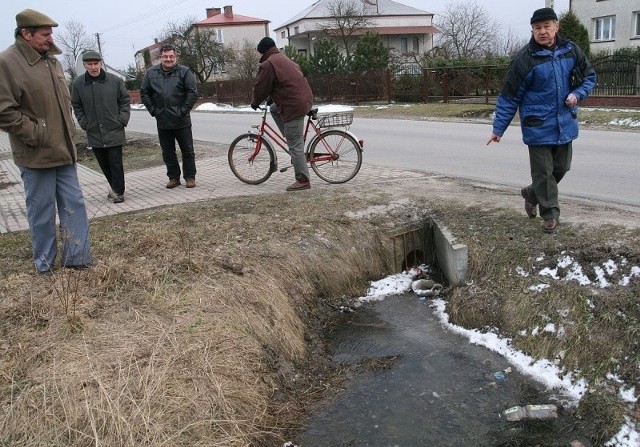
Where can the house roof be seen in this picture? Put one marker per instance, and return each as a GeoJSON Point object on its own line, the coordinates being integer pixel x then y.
{"type": "Point", "coordinates": [223, 19]}
{"type": "Point", "coordinates": [371, 8]}
{"type": "Point", "coordinates": [153, 46]}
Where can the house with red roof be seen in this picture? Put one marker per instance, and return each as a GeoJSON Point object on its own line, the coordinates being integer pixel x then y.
{"type": "Point", "coordinates": [230, 29]}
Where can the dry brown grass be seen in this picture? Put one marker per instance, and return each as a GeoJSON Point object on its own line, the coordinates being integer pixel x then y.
{"type": "Point", "coordinates": [201, 324]}
{"type": "Point", "coordinates": [196, 326]}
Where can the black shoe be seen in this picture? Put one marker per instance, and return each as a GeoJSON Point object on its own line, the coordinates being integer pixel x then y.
{"type": "Point", "coordinates": [118, 199]}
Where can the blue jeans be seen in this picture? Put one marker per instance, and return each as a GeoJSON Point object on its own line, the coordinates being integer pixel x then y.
{"type": "Point", "coordinates": [167, 139]}
{"type": "Point", "coordinates": [44, 189]}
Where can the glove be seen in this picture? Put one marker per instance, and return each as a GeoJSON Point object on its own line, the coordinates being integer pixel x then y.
{"type": "Point", "coordinates": [254, 106]}
{"type": "Point", "coordinates": [269, 101]}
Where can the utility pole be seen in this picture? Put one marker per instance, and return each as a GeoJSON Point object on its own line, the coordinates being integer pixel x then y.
{"type": "Point", "coordinates": [548, 3]}
{"type": "Point", "coordinates": [98, 40]}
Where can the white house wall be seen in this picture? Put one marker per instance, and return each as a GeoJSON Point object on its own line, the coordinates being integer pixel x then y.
{"type": "Point", "coordinates": [237, 35]}
{"type": "Point", "coordinates": [624, 10]}
{"type": "Point", "coordinates": [308, 33]}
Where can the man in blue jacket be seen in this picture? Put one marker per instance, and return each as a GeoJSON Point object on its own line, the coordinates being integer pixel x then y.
{"type": "Point", "coordinates": [169, 92]}
{"type": "Point", "coordinates": [545, 81]}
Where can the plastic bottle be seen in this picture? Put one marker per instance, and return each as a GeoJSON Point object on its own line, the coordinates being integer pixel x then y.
{"type": "Point", "coordinates": [530, 412]}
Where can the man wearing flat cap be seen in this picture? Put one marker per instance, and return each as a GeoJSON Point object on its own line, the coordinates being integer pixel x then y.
{"type": "Point", "coordinates": [541, 85]}
{"type": "Point", "coordinates": [101, 104]}
{"type": "Point", "coordinates": [35, 110]}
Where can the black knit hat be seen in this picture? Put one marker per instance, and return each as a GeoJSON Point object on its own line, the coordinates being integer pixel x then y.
{"type": "Point", "coordinates": [265, 44]}
{"type": "Point", "coordinates": [543, 14]}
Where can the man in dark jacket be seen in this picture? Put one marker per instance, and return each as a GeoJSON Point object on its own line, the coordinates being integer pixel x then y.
{"type": "Point", "coordinates": [169, 92]}
{"type": "Point", "coordinates": [281, 79]}
{"type": "Point", "coordinates": [538, 84]}
{"type": "Point", "coordinates": [101, 104]}
{"type": "Point", "coordinates": [35, 110]}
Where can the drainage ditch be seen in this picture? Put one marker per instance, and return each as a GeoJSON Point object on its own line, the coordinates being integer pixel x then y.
{"type": "Point", "coordinates": [418, 384]}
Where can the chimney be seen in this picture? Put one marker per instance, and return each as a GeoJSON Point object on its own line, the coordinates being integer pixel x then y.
{"type": "Point", "coordinates": [213, 12]}
{"type": "Point", "coordinates": [228, 11]}
{"type": "Point", "coordinates": [155, 40]}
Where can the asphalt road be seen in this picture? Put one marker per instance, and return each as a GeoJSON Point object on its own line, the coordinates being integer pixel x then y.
{"type": "Point", "coordinates": [605, 164]}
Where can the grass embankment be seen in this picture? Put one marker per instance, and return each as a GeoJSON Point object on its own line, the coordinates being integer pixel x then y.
{"type": "Point", "coordinates": [197, 326]}
{"type": "Point", "coordinates": [201, 324]}
{"type": "Point", "coordinates": [601, 117]}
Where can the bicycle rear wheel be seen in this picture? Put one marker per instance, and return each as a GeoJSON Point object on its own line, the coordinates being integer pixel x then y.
{"type": "Point", "coordinates": [248, 164]}
{"type": "Point", "coordinates": [335, 156]}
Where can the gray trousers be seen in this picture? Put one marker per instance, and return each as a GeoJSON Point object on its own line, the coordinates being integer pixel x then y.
{"type": "Point", "coordinates": [48, 189]}
{"type": "Point", "coordinates": [293, 131]}
{"type": "Point", "coordinates": [549, 164]}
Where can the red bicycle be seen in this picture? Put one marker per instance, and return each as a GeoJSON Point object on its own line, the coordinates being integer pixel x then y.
{"type": "Point", "coordinates": [334, 154]}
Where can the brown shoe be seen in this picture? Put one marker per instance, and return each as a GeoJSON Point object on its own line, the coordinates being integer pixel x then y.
{"type": "Point", "coordinates": [173, 182]}
{"type": "Point", "coordinates": [299, 185]}
{"type": "Point", "coordinates": [550, 226]}
{"type": "Point", "coordinates": [191, 183]}
{"type": "Point", "coordinates": [529, 207]}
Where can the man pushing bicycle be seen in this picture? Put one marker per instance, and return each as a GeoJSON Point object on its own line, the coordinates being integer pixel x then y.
{"type": "Point", "coordinates": [281, 79]}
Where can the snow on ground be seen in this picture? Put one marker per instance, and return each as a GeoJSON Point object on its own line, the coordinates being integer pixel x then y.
{"type": "Point", "coordinates": [210, 107]}
{"type": "Point", "coordinates": [543, 371]}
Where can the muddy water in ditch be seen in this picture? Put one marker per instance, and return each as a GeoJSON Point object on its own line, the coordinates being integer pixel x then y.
{"type": "Point", "coordinates": [435, 388]}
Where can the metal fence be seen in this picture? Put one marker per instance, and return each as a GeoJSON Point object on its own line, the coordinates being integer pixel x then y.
{"type": "Point", "coordinates": [617, 75]}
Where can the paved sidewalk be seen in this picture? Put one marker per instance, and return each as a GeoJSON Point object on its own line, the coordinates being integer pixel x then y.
{"type": "Point", "coordinates": [145, 188]}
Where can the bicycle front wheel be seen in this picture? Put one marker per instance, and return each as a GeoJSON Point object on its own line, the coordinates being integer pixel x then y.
{"type": "Point", "coordinates": [335, 156]}
{"type": "Point", "coordinates": [251, 159]}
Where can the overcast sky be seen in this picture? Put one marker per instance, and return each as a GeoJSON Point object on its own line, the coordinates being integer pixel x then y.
{"type": "Point", "coordinates": [126, 26]}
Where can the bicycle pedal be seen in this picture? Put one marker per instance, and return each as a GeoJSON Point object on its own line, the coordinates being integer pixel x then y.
{"type": "Point", "coordinates": [284, 169]}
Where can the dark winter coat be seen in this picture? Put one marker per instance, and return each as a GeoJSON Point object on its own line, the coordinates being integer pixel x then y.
{"type": "Point", "coordinates": [537, 84]}
{"type": "Point", "coordinates": [282, 79]}
{"type": "Point", "coordinates": [102, 108]}
{"type": "Point", "coordinates": [169, 96]}
{"type": "Point", "coordinates": [35, 107]}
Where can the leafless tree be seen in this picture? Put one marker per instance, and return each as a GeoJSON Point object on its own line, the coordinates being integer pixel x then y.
{"type": "Point", "coordinates": [467, 29]}
{"type": "Point", "coordinates": [346, 20]}
{"type": "Point", "coordinates": [73, 40]}
{"type": "Point", "coordinates": [508, 43]}
{"type": "Point", "coordinates": [198, 48]}
{"type": "Point", "coordinates": [245, 63]}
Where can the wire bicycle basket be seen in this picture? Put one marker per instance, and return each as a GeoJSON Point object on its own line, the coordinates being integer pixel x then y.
{"type": "Point", "coordinates": [338, 119]}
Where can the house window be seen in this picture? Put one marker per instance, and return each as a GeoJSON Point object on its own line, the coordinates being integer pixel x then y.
{"type": "Point", "coordinates": [409, 45]}
{"type": "Point", "coordinates": [605, 28]}
{"type": "Point", "coordinates": [282, 34]}
{"type": "Point", "coordinates": [296, 30]}
{"type": "Point", "coordinates": [219, 36]}
{"type": "Point", "coordinates": [637, 23]}
{"type": "Point", "coordinates": [404, 46]}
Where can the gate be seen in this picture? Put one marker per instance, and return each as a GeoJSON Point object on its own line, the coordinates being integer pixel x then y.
{"type": "Point", "coordinates": [617, 76]}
